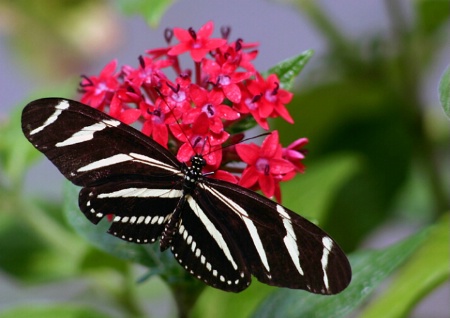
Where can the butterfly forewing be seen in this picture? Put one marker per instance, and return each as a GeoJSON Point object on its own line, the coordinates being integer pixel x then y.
{"type": "Point", "coordinates": [219, 232]}
{"type": "Point", "coordinates": [89, 146]}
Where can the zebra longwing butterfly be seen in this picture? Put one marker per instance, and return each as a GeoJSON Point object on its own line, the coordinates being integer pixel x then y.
{"type": "Point", "coordinates": [218, 231]}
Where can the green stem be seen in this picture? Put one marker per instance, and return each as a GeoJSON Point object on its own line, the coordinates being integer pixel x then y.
{"type": "Point", "coordinates": [127, 297]}
{"type": "Point", "coordinates": [186, 294]}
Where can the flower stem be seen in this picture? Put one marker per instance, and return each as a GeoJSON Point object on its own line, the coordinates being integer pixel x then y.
{"type": "Point", "coordinates": [198, 73]}
{"type": "Point", "coordinates": [128, 295]}
{"type": "Point", "coordinates": [185, 295]}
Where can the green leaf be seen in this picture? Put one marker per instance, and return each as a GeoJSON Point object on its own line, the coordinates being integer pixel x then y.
{"type": "Point", "coordinates": [289, 69]}
{"type": "Point", "coordinates": [151, 10]}
{"type": "Point", "coordinates": [242, 125]}
{"type": "Point", "coordinates": [444, 91]}
{"type": "Point", "coordinates": [426, 270]}
{"type": "Point", "coordinates": [370, 269]}
{"type": "Point", "coordinates": [49, 311]}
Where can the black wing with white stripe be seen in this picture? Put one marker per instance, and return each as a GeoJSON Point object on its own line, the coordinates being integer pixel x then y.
{"type": "Point", "coordinates": [140, 213]}
{"type": "Point", "coordinates": [205, 248]}
{"type": "Point", "coordinates": [276, 241]}
{"type": "Point", "coordinates": [219, 232]}
{"type": "Point", "coordinates": [88, 146]}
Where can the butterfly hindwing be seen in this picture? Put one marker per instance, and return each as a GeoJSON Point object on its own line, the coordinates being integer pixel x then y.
{"type": "Point", "coordinates": [138, 210]}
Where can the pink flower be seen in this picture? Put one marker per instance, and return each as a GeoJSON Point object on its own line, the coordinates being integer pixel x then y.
{"type": "Point", "coordinates": [234, 54]}
{"type": "Point", "coordinates": [176, 95]}
{"type": "Point", "coordinates": [155, 123]}
{"type": "Point", "coordinates": [205, 109]}
{"type": "Point", "coordinates": [226, 78]}
{"type": "Point", "coordinates": [295, 154]}
{"type": "Point", "coordinates": [249, 105]}
{"type": "Point", "coordinates": [148, 74]}
{"type": "Point", "coordinates": [198, 138]}
{"type": "Point", "coordinates": [98, 90]}
{"type": "Point", "coordinates": [265, 165]}
{"type": "Point", "coordinates": [209, 103]}
{"type": "Point", "coordinates": [197, 43]}
{"type": "Point", "coordinates": [264, 99]}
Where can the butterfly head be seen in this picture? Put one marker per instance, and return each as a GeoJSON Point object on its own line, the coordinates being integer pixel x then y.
{"type": "Point", "coordinates": [198, 162]}
{"type": "Point", "coordinates": [193, 173]}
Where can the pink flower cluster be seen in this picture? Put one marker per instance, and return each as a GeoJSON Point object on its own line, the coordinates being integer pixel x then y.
{"type": "Point", "coordinates": [204, 110]}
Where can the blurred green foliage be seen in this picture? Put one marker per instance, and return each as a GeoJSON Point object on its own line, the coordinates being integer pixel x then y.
{"type": "Point", "coordinates": [370, 108]}
{"type": "Point", "coordinates": [151, 10]}
{"type": "Point", "coordinates": [445, 92]}
{"type": "Point", "coordinates": [376, 153]}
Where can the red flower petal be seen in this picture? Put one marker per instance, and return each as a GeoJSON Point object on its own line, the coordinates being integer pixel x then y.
{"type": "Point", "coordinates": [182, 35]}
{"type": "Point", "coordinates": [109, 69]}
{"type": "Point", "coordinates": [198, 54]}
{"type": "Point", "coordinates": [249, 177]}
{"type": "Point", "coordinates": [270, 145]}
{"type": "Point", "coordinates": [185, 153]}
{"type": "Point", "coordinates": [232, 92]}
{"type": "Point", "coordinates": [161, 135]}
{"type": "Point", "coordinates": [267, 185]}
{"type": "Point", "coordinates": [227, 113]}
{"type": "Point", "coordinates": [280, 166]}
{"type": "Point", "coordinates": [249, 153]}
{"type": "Point", "coordinates": [283, 112]}
{"type": "Point", "coordinates": [226, 176]}
{"type": "Point", "coordinates": [129, 116]}
{"type": "Point", "coordinates": [206, 30]}
{"type": "Point", "coordinates": [277, 193]}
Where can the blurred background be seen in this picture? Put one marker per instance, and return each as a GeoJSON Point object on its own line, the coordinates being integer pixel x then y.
{"type": "Point", "coordinates": [377, 164]}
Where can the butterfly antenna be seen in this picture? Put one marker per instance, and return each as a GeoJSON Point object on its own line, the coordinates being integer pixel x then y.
{"type": "Point", "coordinates": [161, 95]}
{"type": "Point", "coordinates": [240, 141]}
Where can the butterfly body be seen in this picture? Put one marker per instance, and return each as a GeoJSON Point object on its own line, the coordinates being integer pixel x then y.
{"type": "Point", "coordinates": [192, 175]}
{"type": "Point", "coordinates": [219, 232]}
